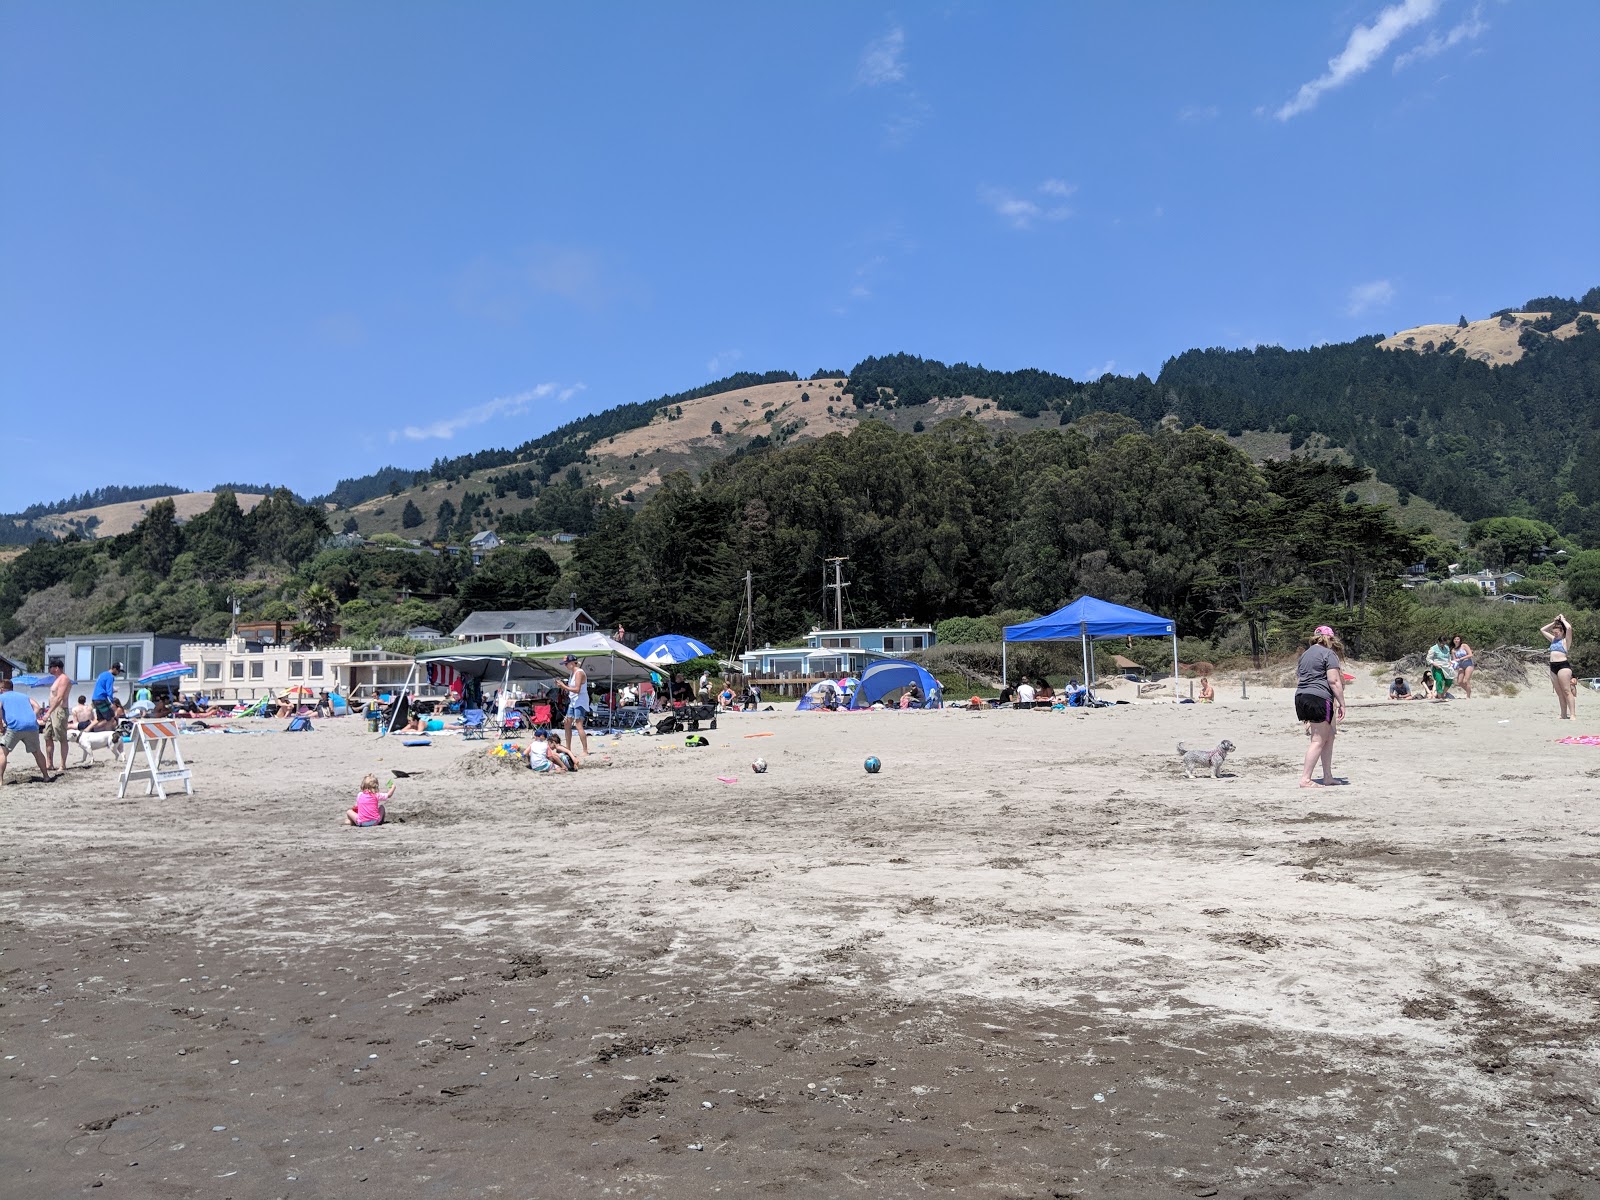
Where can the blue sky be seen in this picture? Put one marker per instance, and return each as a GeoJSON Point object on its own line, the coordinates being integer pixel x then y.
{"type": "Point", "coordinates": [297, 241]}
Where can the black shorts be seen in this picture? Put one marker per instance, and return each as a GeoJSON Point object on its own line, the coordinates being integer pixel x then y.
{"type": "Point", "coordinates": [1557, 667]}
{"type": "Point", "coordinates": [1310, 707]}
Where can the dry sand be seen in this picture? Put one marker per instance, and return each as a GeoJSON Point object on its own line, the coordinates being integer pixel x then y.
{"type": "Point", "coordinates": [1028, 959]}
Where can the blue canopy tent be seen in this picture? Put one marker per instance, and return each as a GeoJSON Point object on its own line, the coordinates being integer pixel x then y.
{"type": "Point", "coordinates": [1086, 619]}
{"type": "Point", "coordinates": [884, 675]}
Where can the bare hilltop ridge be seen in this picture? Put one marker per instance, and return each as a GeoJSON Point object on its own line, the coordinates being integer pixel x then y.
{"type": "Point", "coordinates": [1496, 341]}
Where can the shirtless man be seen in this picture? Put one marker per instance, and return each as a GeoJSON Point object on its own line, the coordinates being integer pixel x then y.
{"type": "Point", "coordinates": [82, 715]}
{"type": "Point", "coordinates": [56, 714]}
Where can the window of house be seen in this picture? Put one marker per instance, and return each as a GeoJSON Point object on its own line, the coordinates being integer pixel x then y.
{"type": "Point", "coordinates": [316, 668]}
{"type": "Point", "coordinates": [257, 669]}
{"type": "Point", "coordinates": [903, 642]}
{"type": "Point", "coordinates": [297, 668]}
{"type": "Point", "coordinates": [214, 670]}
{"type": "Point", "coordinates": [237, 671]}
{"type": "Point", "coordinates": [841, 643]}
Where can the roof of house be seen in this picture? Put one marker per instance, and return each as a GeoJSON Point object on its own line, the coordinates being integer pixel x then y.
{"type": "Point", "coordinates": [537, 620]}
{"type": "Point", "coordinates": [18, 667]}
{"type": "Point", "coordinates": [479, 539]}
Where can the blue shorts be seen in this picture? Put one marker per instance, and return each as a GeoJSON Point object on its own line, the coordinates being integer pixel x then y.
{"type": "Point", "coordinates": [365, 824]}
{"type": "Point", "coordinates": [577, 713]}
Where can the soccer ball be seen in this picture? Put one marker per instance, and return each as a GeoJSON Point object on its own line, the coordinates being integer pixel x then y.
{"type": "Point", "coordinates": [873, 765]}
{"type": "Point", "coordinates": [759, 766]}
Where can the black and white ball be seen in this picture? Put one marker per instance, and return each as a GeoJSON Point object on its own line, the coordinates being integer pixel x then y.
{"type": "Point", "coordinates": [759, 766]}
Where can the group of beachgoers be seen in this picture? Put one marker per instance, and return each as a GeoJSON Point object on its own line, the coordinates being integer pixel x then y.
{"type": "Point", "coordinates": [1319, 686]}
{"type": "Point", "coordinates": [45, 729]}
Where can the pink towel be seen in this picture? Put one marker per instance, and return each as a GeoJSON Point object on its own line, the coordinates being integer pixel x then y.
{"type": "Point", "coordinates": [1583, 739]}
{"type": "Point", "coordinates": [727, 779]}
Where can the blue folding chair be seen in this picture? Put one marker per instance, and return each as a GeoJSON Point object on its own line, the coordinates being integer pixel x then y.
{"type": "Point", "coordinates": [472, 724]}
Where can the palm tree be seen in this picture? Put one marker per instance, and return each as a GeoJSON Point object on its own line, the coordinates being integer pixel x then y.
{"type": "Point", "coordinates": [319, 608]}
{"type": "Point", "coordinates": [302, 635]}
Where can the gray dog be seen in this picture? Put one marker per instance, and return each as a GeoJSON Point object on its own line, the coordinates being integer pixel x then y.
{"type": "Point", "coordinates": [1206, 758]}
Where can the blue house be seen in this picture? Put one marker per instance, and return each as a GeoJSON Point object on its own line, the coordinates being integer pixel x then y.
{"type": "Point", "coordinates": [831, 653]}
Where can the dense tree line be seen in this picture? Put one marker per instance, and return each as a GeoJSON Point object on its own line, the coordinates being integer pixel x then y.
{"type": "Point", "coordinates": [1520, 440]}
{"type": "Point", "coordinates": [962, 521]}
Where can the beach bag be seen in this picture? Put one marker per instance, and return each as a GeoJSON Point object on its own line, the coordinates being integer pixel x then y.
{"type": "Point", "coordinates": [694, 739]}
{"type": "Point", "coordinates": [667, 724]}
{"type": "Point", "coordinates": [300, 725]}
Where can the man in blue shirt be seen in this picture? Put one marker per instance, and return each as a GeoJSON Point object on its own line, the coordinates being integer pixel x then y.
{"type": "Point", "coordinates": [105, 691]}
{"type": "Point", "coordinates": [21, 720]}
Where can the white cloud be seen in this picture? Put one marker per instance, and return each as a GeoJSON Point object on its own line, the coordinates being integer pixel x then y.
{"type": "Point", "coordinates": [1367, 44]}
{"type": "Point", "coordinates": [1023, 213]}
{"type": "Point", "coordinates": [1105, 368]}
{"type": "Point", "coordinates": [1437, 43]}
{"type": "Point", "coordinates": [1199, 112]}
{"type": "Point", "coordinates": [503, 406]}
{"type": "Point", "coordinates": [883, 61]}
{"type": "Point", "coordinates": [1365, 297]}
{"type": "Point", "coordinates": [723, 358]}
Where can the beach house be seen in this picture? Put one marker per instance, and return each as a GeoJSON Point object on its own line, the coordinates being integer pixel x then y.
{"type": "Point", "coordinates": [85, 655]}
{"type": "Point", "coordinates": [830, 653]}
{"type": "Point", "coordinates": [525, 627]}
{"type": "Point", "coordinates": [245, 669]}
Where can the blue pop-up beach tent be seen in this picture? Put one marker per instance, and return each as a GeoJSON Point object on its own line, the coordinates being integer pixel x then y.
{"type": "Point", "coordinates": [884, 675]}
{"type": "Point", "coordinates": [1086, 619]}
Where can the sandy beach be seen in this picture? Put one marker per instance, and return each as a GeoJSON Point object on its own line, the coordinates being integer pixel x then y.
{"type": "Point", "coordinates": [1027, 959]}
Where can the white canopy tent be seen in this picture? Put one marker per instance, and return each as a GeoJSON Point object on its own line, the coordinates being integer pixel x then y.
{"type": "Point", "coordinates": [489, 660]}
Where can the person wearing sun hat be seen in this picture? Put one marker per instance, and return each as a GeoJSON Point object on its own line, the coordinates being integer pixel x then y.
{"type": "Point", "coordinates": [1319, 702]}
{"type": "Point", "coordinates": [578, 706]}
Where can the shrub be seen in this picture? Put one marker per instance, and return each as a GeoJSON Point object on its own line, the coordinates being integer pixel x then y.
{"type": "Point", "coordinates": [962, 631]}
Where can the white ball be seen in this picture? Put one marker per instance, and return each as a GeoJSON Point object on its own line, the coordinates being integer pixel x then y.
{"type": "Point", "coordinates": [759, 766]}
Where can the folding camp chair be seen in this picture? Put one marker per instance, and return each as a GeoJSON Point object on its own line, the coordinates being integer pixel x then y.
{"type": "Point", "coordinates": [541, 714]}
{"type": "Point", "coordinates": [513, 719]}
{"type": "Point", "coordinates": [472, 724]}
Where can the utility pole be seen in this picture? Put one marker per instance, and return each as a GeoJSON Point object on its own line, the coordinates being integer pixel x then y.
{"type": "Point", "coordinates": [838, 586]}
{"type": "Point", "coordinates": [749, 611]}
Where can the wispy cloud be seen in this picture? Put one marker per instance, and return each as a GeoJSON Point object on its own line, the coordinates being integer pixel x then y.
{"type": "Point", "coordinates": [1023, 212]}
{"type": "Point", "coordinates": [499, 289]}
{"type": "Point", "coordinates": [1366, 45]}
{"type": "Point", "coordinates": [723, 359]}
{"type": "Point", "coordinates": [1365, 297]}
{"type": "Point", "coordinates": [883, 61]}
{"type": "Point", "coordinates": [1104, 369]}
{"type": "Point", "coordinates": [1199, 112]}
{"type": "Point", "coordinates": [1437, 43]}
{"type": "Point", "coordinates": [482, 414]}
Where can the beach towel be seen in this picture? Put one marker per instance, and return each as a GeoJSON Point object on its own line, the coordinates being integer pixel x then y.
{"type": "Point", "coordinates": [1583, 739]}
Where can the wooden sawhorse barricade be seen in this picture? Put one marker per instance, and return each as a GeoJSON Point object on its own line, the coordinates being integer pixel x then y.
{"type": "Point", "coordinates": [153, 739]}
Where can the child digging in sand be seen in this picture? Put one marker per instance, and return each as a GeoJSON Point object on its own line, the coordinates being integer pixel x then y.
{"type": "Point", "coordinates": [369, 808]}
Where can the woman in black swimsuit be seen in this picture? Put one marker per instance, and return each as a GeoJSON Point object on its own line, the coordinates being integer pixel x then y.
{"type": "Point", "coordinates": [1559, 632]}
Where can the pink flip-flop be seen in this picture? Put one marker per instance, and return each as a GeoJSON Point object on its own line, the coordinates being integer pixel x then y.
{"type": "Point", "coordinates": [727, 779]}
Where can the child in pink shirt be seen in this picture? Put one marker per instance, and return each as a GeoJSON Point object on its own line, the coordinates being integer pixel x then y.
{"type": "Point", "coordinates": [369, 808]}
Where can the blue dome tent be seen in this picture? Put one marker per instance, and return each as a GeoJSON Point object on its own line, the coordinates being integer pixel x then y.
{"type": "Point", "coordinates": [1087, 619]}
{"type": "Point", "coordinates": [884, 675]}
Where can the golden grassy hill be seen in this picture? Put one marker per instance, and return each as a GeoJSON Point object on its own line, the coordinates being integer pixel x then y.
{"type": "Point", "coordinates": [636, 462]}
{"type": "Point", "coordinates": [1494, 341]}
{"type": "Point", "coordinates": [119, 518]}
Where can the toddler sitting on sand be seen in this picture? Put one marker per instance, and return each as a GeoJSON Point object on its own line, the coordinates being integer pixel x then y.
{"type": "Point", "coordinates": [369, 808]}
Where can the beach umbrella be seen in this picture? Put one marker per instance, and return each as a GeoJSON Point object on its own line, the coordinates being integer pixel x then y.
{"type": "Point", "coordinates": [298, 691]}
{"type": "Point", "coordinates": [671, 648]}
{"type": "Point", "coordinates": [162, 672]}
{"type": "Point", "coordinates": [32, 681]}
